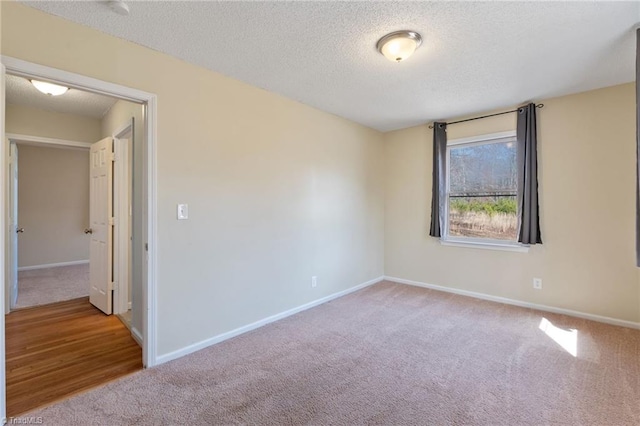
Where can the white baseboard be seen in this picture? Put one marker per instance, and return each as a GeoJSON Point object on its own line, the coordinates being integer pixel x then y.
{"type": "Point", "coordinates": [545, 308]}
{"type": "Point", "coordinates": [233, 333]}
{"type": "Point", "coordinates": [137, 336]}
{"type": "Point", "coordinates": [53, 265]}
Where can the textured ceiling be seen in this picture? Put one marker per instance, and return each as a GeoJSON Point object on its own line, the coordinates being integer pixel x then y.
{"type": "Point", "coordinates": [476, 56]}
{"type": "Point", "coordinates": [20, 91]}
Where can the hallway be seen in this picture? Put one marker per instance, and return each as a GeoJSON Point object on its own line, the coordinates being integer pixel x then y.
{"type": "Point", "coordinates": [38, 287]}
{"type": "Point", "coordinates": [57, 350]}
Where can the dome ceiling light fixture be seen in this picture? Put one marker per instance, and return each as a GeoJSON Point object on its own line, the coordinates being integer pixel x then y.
{"type": "Point", "coordinates": [119, 7]}
{"type": "Point", "coordinates": [399, 45]}
{"type": "Point", "coordinates": [49, 88]}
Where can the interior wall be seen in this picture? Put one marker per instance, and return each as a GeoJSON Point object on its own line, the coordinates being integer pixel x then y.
{"type": "Point", "coordinates": [118, 116]}
{"type": "Point", "coordinates": [586, 186]}
{"type": "Point", "coordinates": [30, 121]}
{"type": "Point", "coordinates": [53, 205]}
{"type": "Point", "coordinates": [278, 191]}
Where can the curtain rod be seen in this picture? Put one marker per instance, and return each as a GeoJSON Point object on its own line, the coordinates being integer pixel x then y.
{"type": "Point", "coordinates": [486, 116]}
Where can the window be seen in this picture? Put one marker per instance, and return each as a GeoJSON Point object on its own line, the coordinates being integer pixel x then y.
{"type": "Point", "coordinates": [482, 184]}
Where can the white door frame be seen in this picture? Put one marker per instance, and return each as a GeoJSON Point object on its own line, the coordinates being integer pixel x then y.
{"type": "Point", "coordinates": [4, 254]}
{"type": "Point", "coordinates": [149, 194]}
{"type": "Point", "coordinates": [11, 289]}
{"type": "Point", "coordinates": [122, 210]}
{"type": "Point", "coordinates": [19, 139]}
{"type": "Point", "coordinates": [46, 142]}
{"type": "Point", "coordinates": [121, 206]}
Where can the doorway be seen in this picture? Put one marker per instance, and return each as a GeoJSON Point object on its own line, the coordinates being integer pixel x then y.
{"type": "Point", "coordinates": [70, 201]}
{"type": "Point", "coordinates": [62, 206]}
{"type": "Point", "coordinates": [49, 203]}
{"type": "Point", "coordinates": [144, 250]}
{"type": "Point", "coordinates": [49, 207]}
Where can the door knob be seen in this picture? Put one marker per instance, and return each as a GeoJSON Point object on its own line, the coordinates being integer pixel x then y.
{"type": "Point", "coordinates": [20, 230]}
{"type": "Point", "coordinates": [88, 231]}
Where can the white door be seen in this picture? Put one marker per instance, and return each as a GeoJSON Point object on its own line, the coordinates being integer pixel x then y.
{"type": "Point", "coordinates": [13, 224]}
{"type": "Point", "coordinates": [122, 229]}
{"type": "Point", "coordinates": [101, 225]}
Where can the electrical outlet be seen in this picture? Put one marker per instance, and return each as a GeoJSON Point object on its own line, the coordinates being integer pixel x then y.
{"type": "Point", "coordinates": [314, 281]}
{"type": "Point", "coordinates": [537, 283]}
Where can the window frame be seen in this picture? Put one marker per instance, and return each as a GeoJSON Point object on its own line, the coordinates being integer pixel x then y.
{"type": "Point", "coordinates": [482, 243]}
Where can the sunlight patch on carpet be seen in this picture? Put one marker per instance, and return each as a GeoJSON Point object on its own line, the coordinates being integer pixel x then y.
{"type": "Point", "coordinates": [568, 339]}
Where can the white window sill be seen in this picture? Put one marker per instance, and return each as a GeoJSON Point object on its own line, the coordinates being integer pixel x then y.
{"type": "Point", "coordinates": [521, 248]}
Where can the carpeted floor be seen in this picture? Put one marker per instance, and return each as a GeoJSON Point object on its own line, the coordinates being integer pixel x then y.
{"type": "Point", "coordinates": [49, 285]}
{"type": "Point", "coordinates": [390, 354]}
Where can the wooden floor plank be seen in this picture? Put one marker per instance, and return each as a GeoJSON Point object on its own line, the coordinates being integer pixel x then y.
{"type": "Point", "coordinates": [57, 350]}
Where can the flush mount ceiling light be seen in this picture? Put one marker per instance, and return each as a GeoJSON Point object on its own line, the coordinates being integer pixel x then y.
{"type": "Point", "coordinates": [49, 88]}
{"type": "Point", "coordinates": [399, 45]}
{"type": "Point", "coordinates": [119, 7]}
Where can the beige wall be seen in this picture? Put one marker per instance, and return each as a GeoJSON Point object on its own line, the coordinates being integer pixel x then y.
{"type": "Point", "coordinates": [587, 184]}
{"type": "Point", "coordinates": [53, 205]}
{"type": "Point", "coordinates": [277, 191]}
{"type": "Point", "coordinates": [53, 194]}
{"type": "Point", "coordinates": [38, 122]}
{"type": "Point", "coordinates": [118, 116]}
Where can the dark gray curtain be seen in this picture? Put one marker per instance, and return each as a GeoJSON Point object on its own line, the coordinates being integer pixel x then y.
{"type": "Point", "coordinates": [638, 147]}
{"type": "Point", "coordinates": [439, 170]}
{"type": "Point", "coordinates": [527, 158]}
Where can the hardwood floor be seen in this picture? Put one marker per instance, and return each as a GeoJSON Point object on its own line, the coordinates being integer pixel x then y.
{"type": "Point", "coordinates": [56, 350]}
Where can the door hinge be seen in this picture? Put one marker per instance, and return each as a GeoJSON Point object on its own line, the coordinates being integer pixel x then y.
{"type": "Point", "coordinates": [112, 221]}
{"type": "Point", "coordinates": [113, 156]}
{"type": "Point", "coordinates": [112, 286]}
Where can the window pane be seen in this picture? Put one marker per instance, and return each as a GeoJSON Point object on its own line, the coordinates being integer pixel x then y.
{"type": "Point", "coordinates": [483, 217]}
{"type": "Point", "coordinates": [482, 191]}
{"type": "Point", "coordinates": [483, 168]}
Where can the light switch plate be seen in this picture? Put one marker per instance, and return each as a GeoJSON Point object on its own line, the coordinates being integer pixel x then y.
{"type": "Point", "coordinates": [183, 211]}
